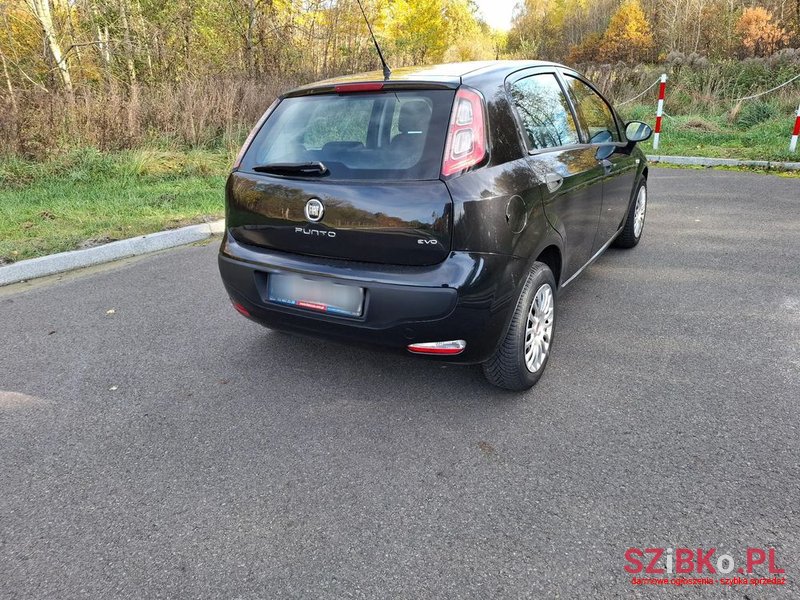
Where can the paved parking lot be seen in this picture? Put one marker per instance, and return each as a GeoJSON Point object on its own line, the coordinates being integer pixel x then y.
{"type": "Point", "coordinates": [173, 449]}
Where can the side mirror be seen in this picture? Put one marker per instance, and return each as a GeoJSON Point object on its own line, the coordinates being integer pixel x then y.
{"type": "Point", "coordinates": [636, 131]}
{"type": "Point", "coordinates": [605, 144]}
{"type": "Point", "coordinates": [604, 151]}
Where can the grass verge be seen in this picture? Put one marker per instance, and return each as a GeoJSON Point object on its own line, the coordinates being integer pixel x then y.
{"type": "Point", "coordinates": [85, 198]}
{"type": "Point", "coordinates": [757, 132]}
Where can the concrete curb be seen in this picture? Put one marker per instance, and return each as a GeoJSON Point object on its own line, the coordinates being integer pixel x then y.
{"type": "Point", "coordinates": [78, 259]}
{"type": "Point", "coordinates": [702, 161]}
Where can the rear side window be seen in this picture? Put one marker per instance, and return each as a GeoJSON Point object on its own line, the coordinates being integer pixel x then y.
{"type": "Point", "coordinates": [544, 112]}
{"type": "Point", "coordinates": [384, 135]}
{"type": "Point", "coordinates": [593, 112]}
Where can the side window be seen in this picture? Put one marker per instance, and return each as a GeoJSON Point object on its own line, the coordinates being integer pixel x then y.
{"type": "Point", "coordinates": [593, 112]}
{"type": "Point", "coordinates": [544, 112]}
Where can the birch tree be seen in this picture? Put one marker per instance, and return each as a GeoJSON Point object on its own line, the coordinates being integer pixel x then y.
{"type": "Point", "coordinates": [42, 11]}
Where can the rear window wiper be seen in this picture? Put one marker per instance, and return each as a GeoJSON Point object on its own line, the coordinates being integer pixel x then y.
{"type": "Point", "coordinates": [305, 168]}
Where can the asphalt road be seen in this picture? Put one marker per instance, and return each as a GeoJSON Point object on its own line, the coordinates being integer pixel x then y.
{"type": "Point", "coordinates": [173, 449]}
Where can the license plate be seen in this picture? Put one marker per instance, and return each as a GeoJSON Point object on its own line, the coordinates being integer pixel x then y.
{"type": "Point", "coordinates": [317, 295]}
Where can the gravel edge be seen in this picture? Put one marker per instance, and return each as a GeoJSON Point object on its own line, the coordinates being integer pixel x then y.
{"type": "Point", "coordinates": [724, 162]}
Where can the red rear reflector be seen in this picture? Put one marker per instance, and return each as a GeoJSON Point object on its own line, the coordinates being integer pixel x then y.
{"type": "Point", "coordinates": [345, 88]}
{"type": "Point", "coordinates": [451, 347]}
{"type": "Point", "coordinates": [312, 305]}
{"type": "Point", "coordinates": [240, 309]}
{"type": "Point", "coordinates": [466, 136]}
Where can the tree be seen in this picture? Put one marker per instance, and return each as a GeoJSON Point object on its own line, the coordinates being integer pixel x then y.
{"type": "Point", "coordinates": [41, 10]}
{"type": "Point", "coordinates": [419, 29]}
{"type": "Point", "coordinates": [471, 38]}
{"type": "Point", "coordinates": [628, 36]}
{"type": "Point", "coordinates": [588, 50]}
{"type": "Point", "coordinates": [760, 35]}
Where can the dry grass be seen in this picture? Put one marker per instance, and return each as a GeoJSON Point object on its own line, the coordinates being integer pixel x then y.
{"type": "Point", "coordinates": [212, 113]}
{"type": "Point", "coordinates": [701, 125]}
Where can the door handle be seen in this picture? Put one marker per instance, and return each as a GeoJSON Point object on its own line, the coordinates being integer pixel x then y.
{"type": "Point", "coordinates": [553, 181]}
{"type": "Point", "coordinates": [607, 166]}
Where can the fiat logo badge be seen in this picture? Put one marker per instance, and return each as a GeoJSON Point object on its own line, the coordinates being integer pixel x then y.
{"type": "Point", "coordinates": [314, 210]}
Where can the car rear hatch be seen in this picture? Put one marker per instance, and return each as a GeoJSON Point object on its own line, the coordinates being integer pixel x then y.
{"type": "Point", "coordinates": [348, 175]}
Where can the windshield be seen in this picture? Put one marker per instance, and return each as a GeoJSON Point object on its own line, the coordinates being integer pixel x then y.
{"type": "Point", "coordinates": [385, 135]}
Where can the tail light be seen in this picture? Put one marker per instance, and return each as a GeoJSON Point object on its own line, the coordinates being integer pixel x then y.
{"type": "Point", "coordinates": [252, 134]}
{"type": "Point", "coordinates": [466, 136]}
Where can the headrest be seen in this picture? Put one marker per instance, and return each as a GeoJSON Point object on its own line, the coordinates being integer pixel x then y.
{"type": "Point", "coordinates": [414, 116]}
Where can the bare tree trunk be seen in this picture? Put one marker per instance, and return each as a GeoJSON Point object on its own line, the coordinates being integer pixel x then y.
{"type": "Point", "coordinates": [143, 35]}
{"type": "Point", "coordinates": [126, 31]}
{"type": "Point", "coordinates": [699, 22]}
{"type": "Point", "coordinates": [248, 40]}
{"type": "Point", "coordinates": [797, 16]}
{"type": "Point", "coordinates": [10, 87]}
{"type": "Point", "coordinates": [133, 100]}
{"type": "Point", "coordinates": [102, 38]}
{"type": "Point", "coordinates": [41, 10]}
{"type": "Point", "coordinates": [73, 38]}
{"type": "Point", "coordinates": [105, 47]}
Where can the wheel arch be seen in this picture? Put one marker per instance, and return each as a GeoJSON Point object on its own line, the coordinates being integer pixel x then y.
{"type": "Point", "coordinates": [551, 256]}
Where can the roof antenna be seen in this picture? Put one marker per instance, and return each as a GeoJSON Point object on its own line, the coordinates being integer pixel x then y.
{"type": "Point", "coordinates": [386, 70]}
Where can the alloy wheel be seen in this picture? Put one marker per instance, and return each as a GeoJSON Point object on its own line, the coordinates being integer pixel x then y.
{"type": "Point", "coordinates": [539, 328]}
{"type": "Point", "coordinates": [638, 212]}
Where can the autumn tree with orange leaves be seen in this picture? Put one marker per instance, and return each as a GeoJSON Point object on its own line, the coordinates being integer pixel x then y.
{"type": "Point", "coordinates": [761, 36]}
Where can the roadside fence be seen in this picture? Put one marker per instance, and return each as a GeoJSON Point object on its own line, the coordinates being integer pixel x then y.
{"type": "Point", "coordinates": [660, 107]}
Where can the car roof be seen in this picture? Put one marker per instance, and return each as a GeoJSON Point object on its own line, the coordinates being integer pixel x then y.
{"type": "Point", "coordinates": [441, 75]}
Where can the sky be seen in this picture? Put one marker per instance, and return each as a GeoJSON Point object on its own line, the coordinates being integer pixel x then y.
{"type": "Point", "coordinates": [497, 13]}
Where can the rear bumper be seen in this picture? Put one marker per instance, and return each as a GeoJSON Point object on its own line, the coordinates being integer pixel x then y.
{"type": "Point", "coordinates": [469, 296]}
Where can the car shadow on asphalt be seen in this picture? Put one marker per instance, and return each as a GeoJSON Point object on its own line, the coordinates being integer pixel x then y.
{"type": "Point", "coordinates": [369, 373]}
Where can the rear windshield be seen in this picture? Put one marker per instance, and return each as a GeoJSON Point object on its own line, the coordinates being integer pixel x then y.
{"type": "Point", "coordinates": [382, 135]}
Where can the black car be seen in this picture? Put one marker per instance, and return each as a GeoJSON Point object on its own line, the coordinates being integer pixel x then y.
{"type": "Point", "coordinates": [438, 211]}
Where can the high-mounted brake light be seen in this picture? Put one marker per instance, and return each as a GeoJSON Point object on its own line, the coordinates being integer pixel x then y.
{"type": "Point", "coordinates": [345, 88]}
{"type": "Point", "coordinates": [253, 133]}
{"type": "Point", "coordinates": [466, 136]}
{"type": "Point", "coordinates": [451, 347]}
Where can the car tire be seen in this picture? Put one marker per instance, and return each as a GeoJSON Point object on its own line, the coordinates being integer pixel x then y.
{"type": "Point", "coordinates": [634, 222]}
{"type": "Point", "coordinates": [524, 351]}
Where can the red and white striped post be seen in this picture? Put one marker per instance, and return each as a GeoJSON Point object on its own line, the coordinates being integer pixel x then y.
{"type": "Point", "coordinates": [795, 132]}
{"type": "Point", "coordinates": [660, 110]}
